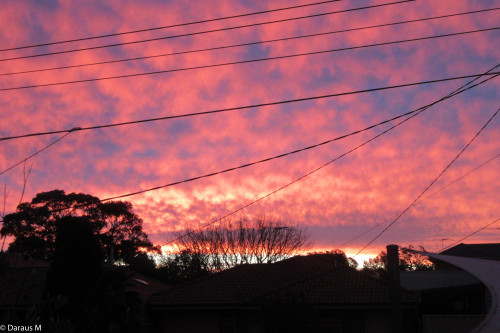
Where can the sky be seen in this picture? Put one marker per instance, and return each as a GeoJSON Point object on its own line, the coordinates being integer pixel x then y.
{"type": "Point", "coordinates": [366, 188]}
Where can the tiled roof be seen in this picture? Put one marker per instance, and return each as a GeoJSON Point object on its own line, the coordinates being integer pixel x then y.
{"type": "Point", "coordinates": [315, 278]}
{"type": "Point", "coordinates": [345, 285]}
{"type": "Point", "coordinates": [489, 251]}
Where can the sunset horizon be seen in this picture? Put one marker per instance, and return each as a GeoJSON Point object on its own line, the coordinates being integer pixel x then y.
{"type": "Point", "coordinates": [341, 117]}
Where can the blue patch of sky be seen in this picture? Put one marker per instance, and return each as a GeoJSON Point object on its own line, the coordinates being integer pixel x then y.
{"type": "Point", "coordinates": [48, 4]}
{"type": "Point", "coordinates": [146, 153]}
{"type": "Point", "coordinates": [180, 126]}
{"type": "Point", "coordinates": [324, 78]}
{"type": "Point", "coordinates": [400, 53]}
{"type": "Point", "coordinates": [256, 51]}
{"type": "Point", "coordinates": [186, 154]}
{"type": "Point", "coordinates": [177, 128]}
{"type": "Point", "coordinates": [223, 88]}
{"type": "Point", "coordinates": [37, 33]}
{"type": "Point", "coordinates": [111, 176]}
{"type": "Point", "coordinates": [252, 113]}
{"type": "Point", "coordinates": [275, 74]}
{"type": "Point", "coordinates": [103, 146]}
{"type": "Point", "coordinates": [487, 92]}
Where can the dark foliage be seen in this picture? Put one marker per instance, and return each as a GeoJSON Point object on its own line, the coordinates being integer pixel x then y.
{"type": "Point", "coordinates": [184, 266]}
{"type": "Point", "coordinates": [172, 269]}
{"type": "Point", "coordinates": [107, 309]}
{"type": "Point", "coordinates": [337, 256]}
{"type": "Point", "coordinates": [408, 261]}
{"type": "Point", "coordinates": [34, 225]}
{"type": "Point", "coordinates": [82, 293]}
{"type": "Point", "coordinates": [77, 259]}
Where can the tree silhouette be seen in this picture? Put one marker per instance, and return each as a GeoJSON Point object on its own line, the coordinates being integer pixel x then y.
{"type": "Point", "coordinates": [337, 256]}
{"type": "Point", "coordinates": [182, 267]}
{"type": "Point", "coordinates": [92, 296]}
{"type": "Point", "coordinates": [77, 259]}
{"type": "Point", "coordinates": [122, 234]}
{"type": "Point", "coordinates": [34, 225]}
{"type": "Point", "coordinates": [408, 261]}
{"type": "Point", "coordinates": [243, 241]}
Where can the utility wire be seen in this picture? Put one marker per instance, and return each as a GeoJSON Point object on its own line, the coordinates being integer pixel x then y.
{"type": "Point", "coordinates": [289, 184]}
{"type": "Point", "coordinates": [198, 33]}
{"type": "Point", "coordinates": [244, 61]}
{"type": "Point", "coordinates": [247, 44]}
{"type": "Point", "coordinates": [411, 113]}
{"type": "Point", "coordinates": [414, 114]}
{"type": "Point", "coordinates": [432, 183]}
{"type": "Point", "coordinates": [263, 160]}
{"type": "Point", "coordinates": [303, 99]}
{"type": "Point", "coordinates": [461, 177]}
{"type": "Point", "coordinates": [258, 162]}
{"type": "Point", "coordinates": [36, 153]}
{"type": "Point", "coordinates": [427, 197]}
{"type": "Point", "coordinates": [456, 91]}
{"type": "Point", "coordinates": [467, 86]}
{"type": "Point", "coordinates": [470, 235]}
{"type": "Point", "coordinates": [169, 26]}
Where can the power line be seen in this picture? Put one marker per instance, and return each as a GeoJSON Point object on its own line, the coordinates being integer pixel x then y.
{"type": "Point", "coordinates": [430, 195]}
{"type": "Point", "coordinates": [261, 161]}
{"type": "Point", "coordinates": [265, 160]}
{"type": "Point", "coordinates": [169, 26]}
{"type": "Point", "coordinates": [465, 87]}
{"type": "Point", "coordinates": [456, 91]}
{"type": "Point", "coordinates": [461, 177]}
{"type": "Point", "coordinates": [36, 153]}
{"type": "Point", "coordinates": [243, 61]}
{"type": "Point", "coordinates": [198, 33]}
{"type": "Point", "coordinates": [435, 179]}
{"type": "Point", "coordinates": [303, 99]}
{"type": "Point", "coordinates": [411, 113]}
{"type": "Point", "coordinates": [470, 235]}
{"type": "Point", "coordinates": [248, 44]}
{"type": "Point", "coordinates": [291, 183]}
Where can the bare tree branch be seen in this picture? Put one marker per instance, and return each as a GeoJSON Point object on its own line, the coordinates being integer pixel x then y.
{"type": "Point", "coordinates": [243, 240]}
{"type": "Point", "coordinates": [25, 180]}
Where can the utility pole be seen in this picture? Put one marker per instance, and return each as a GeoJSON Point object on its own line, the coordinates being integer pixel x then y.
{"type": "Point", "coordinates": [395, 288]}
{"type": "Point", "coordinates": [442, 242]}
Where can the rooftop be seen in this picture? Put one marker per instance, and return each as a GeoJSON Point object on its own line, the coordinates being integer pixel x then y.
{"type": "Point", "coordinates": [315, 279]}
{"type": "Point", "coordinates": [489, 251]}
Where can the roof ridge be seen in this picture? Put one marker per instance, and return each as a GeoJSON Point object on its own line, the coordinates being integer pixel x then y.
{"type": "Point", "coordinates": [203, 278]}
